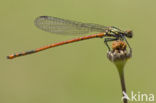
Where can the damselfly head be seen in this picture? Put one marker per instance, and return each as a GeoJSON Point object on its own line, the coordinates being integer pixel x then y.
{"type": "Point", "coordinates": [128, 33]}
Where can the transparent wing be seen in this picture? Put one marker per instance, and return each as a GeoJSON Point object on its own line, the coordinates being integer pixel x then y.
{"type": "Point", "coordinates": [62, 26]}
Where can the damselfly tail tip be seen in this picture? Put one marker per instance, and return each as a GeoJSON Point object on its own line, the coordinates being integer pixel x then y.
{"type": "Point", "coordinates": [10, 56]}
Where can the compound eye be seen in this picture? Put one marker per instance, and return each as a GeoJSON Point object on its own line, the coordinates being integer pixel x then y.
{"type": "Point", "coordinates": [129, 33]}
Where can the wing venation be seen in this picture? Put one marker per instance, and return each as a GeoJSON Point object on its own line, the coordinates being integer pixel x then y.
{"type": "Point", "coordinates": [62, 26]}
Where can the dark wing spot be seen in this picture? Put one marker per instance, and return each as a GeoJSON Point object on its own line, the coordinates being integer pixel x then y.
{"type": "Point", "coordinates": [43, 16]}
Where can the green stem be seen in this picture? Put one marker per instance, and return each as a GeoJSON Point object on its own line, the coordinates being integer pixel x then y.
{"type": "Point", "coordinates": [120, 67]}
{"type": "Point", "coordinates": [123, 86]}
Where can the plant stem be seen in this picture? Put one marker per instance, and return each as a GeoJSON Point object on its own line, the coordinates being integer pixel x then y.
{"type": "Point", "coordinates": [123, 86]}
{"type": "Point", "coordinates": [120, 67]}
{"type": "Point", "coordinates": [119, 56]}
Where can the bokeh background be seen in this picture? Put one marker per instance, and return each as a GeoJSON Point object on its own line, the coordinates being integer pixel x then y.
{"type": "Point", "coordinates": [78, 72]}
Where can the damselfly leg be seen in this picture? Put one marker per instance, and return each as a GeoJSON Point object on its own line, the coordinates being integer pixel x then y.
{"type": "Point", "coordinates": [106, 40]}
{"type": "Point", "coordinates": [124, 38]}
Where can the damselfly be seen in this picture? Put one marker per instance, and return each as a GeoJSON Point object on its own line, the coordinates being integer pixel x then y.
{"type": "Point", "coordinates": [62, 26]}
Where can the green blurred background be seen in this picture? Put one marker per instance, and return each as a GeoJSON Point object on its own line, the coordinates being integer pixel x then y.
{"type": "Point", "coordinates": [78, 72]}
